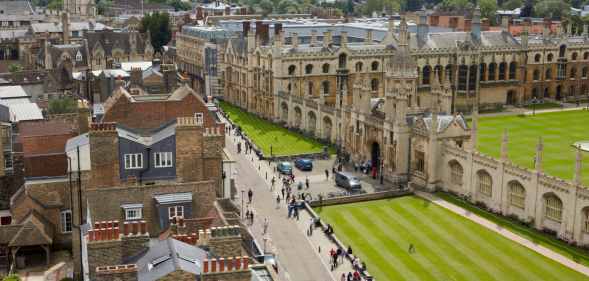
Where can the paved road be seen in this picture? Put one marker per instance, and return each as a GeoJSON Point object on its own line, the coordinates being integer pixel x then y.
{"type": "Point", "coordinates": [295, 254]}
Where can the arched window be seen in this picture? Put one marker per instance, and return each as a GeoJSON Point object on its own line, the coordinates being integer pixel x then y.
{"type": "Point", "coordinates": [574, 56]}
{"type": "Point", "coordinates": [573, 74]}
{"type": "Point", "coordinates": [449, 73]}
{"type": "Point", "coordinates": [374, 84]}
{"type": "Point", "coordinates": [325, 68]}
{"type": "Point", "coordinates": [325, 88]}
{"type": "Point", "coordinates": [291, 69]}
{"type": "Point", "coordinates": [426, 75]}
{"type": "Point", "coordinates": [584, 72]}
{"type": "Point", "coordinates": [517, 195]}
{"type": "Point", "coordinates": [512, 70]}
{"type": "Point", "coordinates": [562, 51]}
{"type": "Point", "coordinates": [310, 88]}
{"type": "Point", "coordinates": [343, 60]}
{"type": "Point", "coordinates": [536, 75]}
{"type": "Point", "coordinates": [482, 72]}
{"type": "Point", "coordinates": [586, 55]}
{"type": "Point", "coordinates": [308, 69]}
{"type": "Point", "coordinates": [552, 207]}
{"type": "Point", "coordinates": [359, 66]}
{"type": "Point", "coordinates": [485, 183]}
{"type": "Point", "coordinates": [502, 69]}
{"type": "Point", "coordinates": [537, 57]}
{"type": "Point", "coordinates": [462, 72]}
{"type": "Point", "coordinates": [550, 57]}
{"type": "Point", "coordinates": [585, 218]}
{"type": "Point", "coordinates": [492, 71]}
{"type": "Point", "coordinates": [374, 66]}
{"type": "Point", "coordinates": [548, 74]}
{"type": "Point", "coordinates": [456, 173]}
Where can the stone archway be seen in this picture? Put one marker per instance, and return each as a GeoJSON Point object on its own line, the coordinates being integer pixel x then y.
{"type": "Point", "coordinates": [510, 98]}
{"type": "Point", "coordinates": [375, 158]}
{"type": "Point", "coordinates": [311, 122]}
{"type": "Point", "coordinates": [298, 117]}
{"type": "Point", "coordinates": [327, 128]}
{"type": "Point", "coordinates": [284, 111]}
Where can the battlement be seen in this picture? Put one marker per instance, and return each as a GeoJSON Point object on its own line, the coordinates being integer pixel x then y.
{"type": "Point", "coordinates": [103, 127]}
{"type": "Point", "coordinates": [110, 231]}
{"type": "Point", "coordinates": [114, 269]}
{"type": "Point", "coordinates": [225, 265]}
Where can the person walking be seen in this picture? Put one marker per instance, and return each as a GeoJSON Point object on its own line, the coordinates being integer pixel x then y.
{"type": "Point", "coordinates": [282, 190]}
{"type": "Point", "coordinates": [307, 183]}
{"type": "Point", "coordinates": [250, 195]}
{"type": "Point", "coordinates": [273, 181]}
{"type": "Point", "coordinates": [343, 278]}
{"type": "Point", "coordinates": [326, 174]}
{"type": "Point", "coordinates": [265, 226]}
{"type": "Point", "coordinates": [411, 248]}
{"type": "Point", "coordinates": [252, 217]}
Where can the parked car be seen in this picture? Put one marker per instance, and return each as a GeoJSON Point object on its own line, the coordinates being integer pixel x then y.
{"type": "Point", "coordinates": [347, 181]}
{"type": "Point", "coordinates": [284, 168]}
{"type": "Point", "coordinates": [304, 164]}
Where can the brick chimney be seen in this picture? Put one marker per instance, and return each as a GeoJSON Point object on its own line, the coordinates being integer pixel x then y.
{"type": "Point", "coordinates": [136, 77]}
{"type": "Point", "coordinates": [108, 245]}
{"type": "Point", "coordinates": [234, 268]}
{"type": "Point", "coordinates": [104, 155]}
{"type": "Point", "coordinates": [170, 78]}
{"type": "Point", "coordinates": [225, 241]}
{"type": "Point", "coordinates": [189, 150]}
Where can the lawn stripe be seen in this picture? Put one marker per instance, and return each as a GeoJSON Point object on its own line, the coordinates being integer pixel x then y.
{"type": "Point", "coordinates": [364, 249]}
{"type": "Point", "coordinates": [443, 268]}
{"type": "Point", "coordinates": [455, 249]}
{"type": "Point", "coordinates": [507, 255]}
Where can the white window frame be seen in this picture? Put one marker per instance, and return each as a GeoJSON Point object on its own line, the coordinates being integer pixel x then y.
{"type": "Point", "coordinates": [66, 227]}
{"type": "Point", "coordinates": [133, 161]}
{"type": "Point", "coordinates": [133, 214]}
{"type": "Point", "coordinates": [199, 118]}
{"type": "Point", "coordinates": [163, 159]}
{"type": "Point", "coordinates": [175, 211]}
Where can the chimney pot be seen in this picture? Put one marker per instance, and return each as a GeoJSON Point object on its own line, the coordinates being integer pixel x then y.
{"type": "Point", "coordinates": [230, 264]}
{"type": "Point", "coordinates": [135, 228]}
{"type": "Point", "coordinates": [126, 228]}
{"type": "Point", "coordinates": [237, 263]}
{"type": "Point", "coordinates": [221, 264]}
{"type": "Point", "coordinates": [205, 266]}
{"type": "Point", "coordinates": [213, 265]}
{"type": "Point", "coordinates": [143, 227]}
{"type": "Point", "coordinates": [245, 263]}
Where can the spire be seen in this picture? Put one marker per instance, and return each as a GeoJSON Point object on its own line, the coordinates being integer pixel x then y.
{"type": "Point", "coordinates": [403, 36]}
{"type": "Point", "coordinates": [538, 160]}
{"type": "Point", "coordinates": [504, 142]}
{"type": "Point", "coordinates": [578, 166]}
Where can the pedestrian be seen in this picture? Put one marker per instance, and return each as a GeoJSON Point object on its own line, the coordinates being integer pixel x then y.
{"type": "Point", "coordinates": [282, 190]}
{"type": "Point", "coordinates": [411, 248]}
{"type": "Point", "coordinates": [252, 217]}
{"type": "Point", "coordinates": [266, 224]}
{"type": "Point", "coordinates": [338, 253]}
{"type": "Point", "coordinates": [326, 174]}
{"type": "Point", "coordinates": [311, 226]}
{"type": "Point", "coordinates": [247, 214]}
{"type": "Point", "coordinates": [333, 170]}
{"type": "Point", "coordinates": [277, 201]}
{"type": "Point", "coordinates": [296, 212]}
{"type": "Point", "coordinates": [307, 182]}
{"type": "Point", "coordinates": [350, 276]}
{"type": "Point", "coordinates": [250, 195]}
{"type": "Point", "coordinates": [273, 180]}
{"type": "Point", "coordinates": [343, 278]}
{"type": "Point", "coordinates": [350, 250]}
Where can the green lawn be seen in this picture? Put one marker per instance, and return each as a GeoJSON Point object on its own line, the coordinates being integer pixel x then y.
{"type": "Point", "coordinates": [265, 134]}
{"type": "Point", "coordinates": [448, 247]}
{"type": "Point", "coordinates": [559, 130]}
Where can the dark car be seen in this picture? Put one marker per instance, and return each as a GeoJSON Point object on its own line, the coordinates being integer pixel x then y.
{"type": "Point", "coordinates": [304, 164]}
{"type": "Point", "coordinates": [284, 168]}
{"type": "Point", "coordinates": [347, 181]}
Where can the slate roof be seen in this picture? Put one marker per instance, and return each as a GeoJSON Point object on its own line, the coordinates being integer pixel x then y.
{"type": "Point", "coordinates": [447, 40]}
{"type": "Point", "coordinates": [24, 112]}
{"type": "Point", "coordinates": [16, 8]}
{"type": "Point", "coordinates": [110, 40]}
{"type": "Point", "coordinates": [34, 230]}
{"type": "Point", "coordinates": [167, 256]}
{"type": "Point", "coordinates": [170, 198]}
{"type": "Point", "coordinates": [56, 27]}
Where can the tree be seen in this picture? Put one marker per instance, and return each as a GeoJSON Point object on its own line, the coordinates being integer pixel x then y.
{"type": "Point", "coordinates": [488, 9]}
{"type": "Point", "coordinates": [62, 105]}
{"type": "Point", "coordinates": [179, 5]}
{"type": "Point", "coordinates": [158, 25]}
{"type": "Point", "coordinates": [267, 7]}
{"type": "Point", "coordinates": [557, 9]}
{"type": "Point", "coordinates": [55, 5]}
{"type": "Point", "coordinates": [103, 6]}
{"type": "Point", "coordinates": [455, 5]}
{"type": "Point", "coordinates": [14, 67]}
{"type": "Point", "coordinates": [512, 4]}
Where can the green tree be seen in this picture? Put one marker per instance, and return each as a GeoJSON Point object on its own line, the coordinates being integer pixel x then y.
{"type": "Point", "coordinates": [14, 67]}
{"type": "Point", "coordinates": [455, 5]}
{"type": "Point", "coordinates": [179, 5]}
{"type": "Point", "coordinates": [62, 105]}
{"type": "Point", "coordinates": [557, 9]}
{"type": "Point", "coordinates": [267, 7]}
{"type": "Point", "coordinates": [55, 5]}
{"type": "Point", "coordinates": [488, 9]}
{"type": "Point", "coordinates": [512, 4]}
{"type": "Point", "coordinates": [158, 25]}
{"type": "Point", "coordinates": [103, 6]}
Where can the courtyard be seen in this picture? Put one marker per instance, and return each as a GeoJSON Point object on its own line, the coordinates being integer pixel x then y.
{"type": "Point", "coordinates": [447, 246]}
{"type": "Point", "coordinates": [269, 136]}
{"type": "Point", "coordinates": [559, 130]}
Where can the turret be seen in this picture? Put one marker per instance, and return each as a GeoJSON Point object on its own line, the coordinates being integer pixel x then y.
{"type": "Point", "coordinates": [476, 24]}
{"type": "Point", "coordinates": [422, 28]}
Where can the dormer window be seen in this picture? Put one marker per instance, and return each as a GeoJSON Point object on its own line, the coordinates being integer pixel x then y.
{"type": "Point", "coordinates": [199, 118]}
{"type": "Point", "coordinates": [133, 211]}
{"type": "Point", "coordinates": [162, 159]}
{"type": "Point", "coordinates": [133, 161]}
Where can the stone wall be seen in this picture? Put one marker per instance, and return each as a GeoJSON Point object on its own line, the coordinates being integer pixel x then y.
{"type": "Point", "coordinates": [504, 176]}
{"type": "Point", "coordinates": [225, 241]}
{"type": "Point", "coordinates": [359, 198]}
{"type": "Point", "coordinates": [126, 272]}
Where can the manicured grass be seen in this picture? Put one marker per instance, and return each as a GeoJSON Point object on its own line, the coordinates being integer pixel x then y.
{"type": "Point", "coordinates": [559, 130]}
{"type": "Point", "coordinates": [448, 246]}
{"type": "Point", "coordinates": [265, 134]}
{"type": "Point", "coordinates": [548, 241]}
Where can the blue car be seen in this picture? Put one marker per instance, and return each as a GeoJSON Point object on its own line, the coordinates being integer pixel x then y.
{"type": "Point", "coordinates": [284, 168]}
{"type": "Point", "coordinates": [304, 164]}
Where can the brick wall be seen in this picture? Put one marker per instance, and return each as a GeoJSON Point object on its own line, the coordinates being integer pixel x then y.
{"type": "Point", "coordinates": [126, 272]}
{"type": "Point", "coordinates": [189, 148]}
{"type": "Point", "coordinates": [104, 155]}
{"type": "Point", "coordinates": [225, 241]}
{"type": "Point", "coordinates": [103, 253]}
{"type": "Point", "coordinates": [178, 275]}
{"type": "Point", "coordinates": [44, 144]}
{"type": "Point", "coordinates": [46, 165]}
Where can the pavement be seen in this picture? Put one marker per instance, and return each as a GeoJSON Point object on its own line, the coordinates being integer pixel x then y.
{"type": "Point", "coordinates": [297, 254]}
{"type": "Point", "coordinates": [506, 233]}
